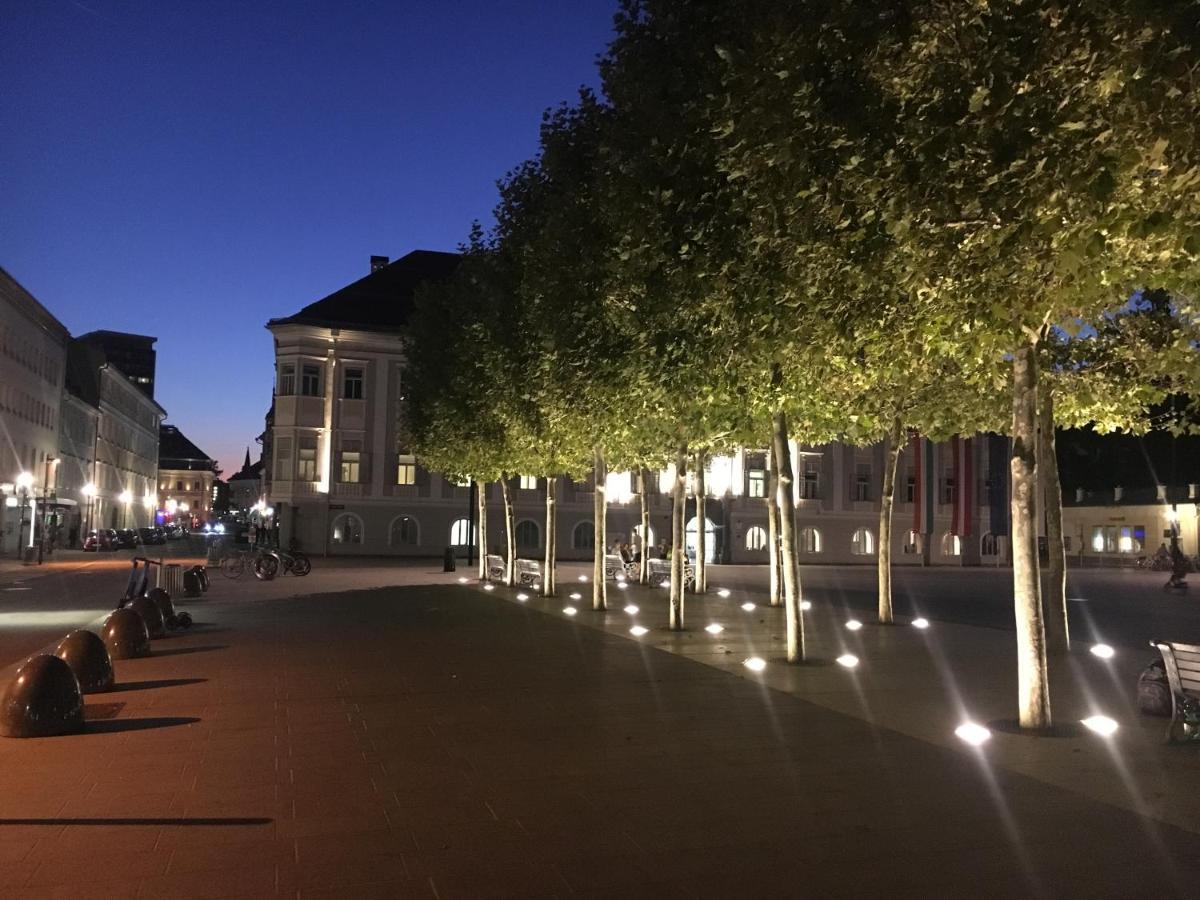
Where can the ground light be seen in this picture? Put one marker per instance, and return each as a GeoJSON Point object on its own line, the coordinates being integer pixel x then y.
{"type": "Point", "coordinates": [463, 580]}
{"type": "Point", "coordinates": [489, 587]}
{"type": "Point", "coordinates": [972, 733]}
{"type": "Point", "coordinates": [723, 593]}
{"type": "Point", "coordinates": [849, 660]}
{"type": "Point", "coordinates": [714, 628]}
{"type": "Point", "coordinates": [854, 625]}
{"type": "Point", "coordinates": [622, 585]}
{"type": "Point", "coordinates": [631, 610]}
{"type": "Point", "coordinates": [1103, 651]}
{"type": "Point", "coordinates": [1102, 725]}
{"type": "Point", "coordinates": [537, 587]}
{"type": "Point", "coordinates": [569, 611]}
{"type": "Point", "coordinates": [583, 578]}
{"type": "Point", "coordinates": [805, 605]}
{"type": "Point", "coordinates": [576, 596]}
{"type": "Point", "coordinates": [755, 663]}
{"type": "Point", "coordinates": [920, 622]}
{"type": "Point", "coordinates": [748, 606]}
{"type": "Point", "coordinates": [638, 630]}
{"type": "Point", "coordinates": [522, 597]}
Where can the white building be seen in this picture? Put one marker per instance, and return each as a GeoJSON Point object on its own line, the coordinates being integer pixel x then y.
{"type": "Point", "coordinates": [343, 480]}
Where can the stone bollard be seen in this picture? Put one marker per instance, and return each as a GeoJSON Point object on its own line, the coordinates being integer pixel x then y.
{"type": "Point", "coordinates": [162, 600]}
{"type": "Point", "coordinates": [42, 700]}
{"type": "Point", "coordinates": [148, 610]}
{"type": "Point", "coordinates": [125, 635]}
{"type": "Point", "coordinates": [85, 653]}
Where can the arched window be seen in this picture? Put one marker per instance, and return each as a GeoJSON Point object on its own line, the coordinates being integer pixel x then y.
{"type": "Point", "coordinates": [756, 538]}
{"type": "Point", "coordinates": [912, 543]}
{"type": "Point", "coordinates": [810, 540]}
{"type": "Point", "coordinates": [404, 532]}
{"type": "Point", "coordinates": [710, 539]}
{"type": "Point", "coordinates": [988, 545]}
{"type": "Point", "coordinates": [951, 544]}
{"type": "Point", "coordinates": [459, 533]}
{"type": "Point", "coordinates": [528, 534]}
{"type": "Point", "coordinates": [862, 543]}
{"type": "Point", "coordinates": [583, 537]}
{"type": "Point", "coordinates": [346, 529]}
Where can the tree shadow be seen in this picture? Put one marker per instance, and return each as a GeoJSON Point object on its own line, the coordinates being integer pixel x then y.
{"type": "Point", "coordinates": [115, 726]}
{"type": "Point", "coordinates": [155, 683]}
{"type": "Point", "coordinates": [179, 651]}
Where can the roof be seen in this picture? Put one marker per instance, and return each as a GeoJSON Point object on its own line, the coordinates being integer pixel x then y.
{"type": "Point", "coordinates": [382, 300]}
{"type": "Point", "coordinates": [174, 447]}
{"type": "Point", "coordinates": [14, 293]}
{"type": "Point", "coordinates": [252, 472]}
{"type": "Point", "coordinates": [124, 337]}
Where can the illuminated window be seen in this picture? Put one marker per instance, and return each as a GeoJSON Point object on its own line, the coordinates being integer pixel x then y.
{"type": "Point", "coordinates": [406, 470]}
{"type": "Point", "coordinates": [310, 380]}
{"type": "Point", "coordinates": [351, 468]}
{"type": "Point", "coordinates": [529, 482]}
{"type": "Point", "coordinates": [306, 462]}
{"type": "Point", "coordinates": [352, 384]}
{"type": "Point", "coordinates": [810, 540]}
{"type": "Point", "coordinates": [756, 538]}
{"type": "Point", "coordinates": [912, 543]}
{"type": "Point", "coordinates": [756, 483]}
{"type": "Point", "coordinates": [459, 532]}
{"type": "Point", "coordinates": [951, 544]}
{"type": "Point", "coordinates": [346, 529]}
{"type": "Point", "coordinates": [862, 543]}
{"type": "Point", "coordinates": [287, 380]}
{"type": "Point", "coordinates": [988, 546]}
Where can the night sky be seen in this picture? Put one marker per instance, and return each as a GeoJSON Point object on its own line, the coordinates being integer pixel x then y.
{"type": "Point", "coordinates": [192, 169]}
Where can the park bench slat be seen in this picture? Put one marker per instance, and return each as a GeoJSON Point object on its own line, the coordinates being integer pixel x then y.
{"type": "Point", "coordinates": [1183, 675]}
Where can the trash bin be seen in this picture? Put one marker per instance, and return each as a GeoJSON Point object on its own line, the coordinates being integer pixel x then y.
{"type": "Point", "coordinates": [448, 560]}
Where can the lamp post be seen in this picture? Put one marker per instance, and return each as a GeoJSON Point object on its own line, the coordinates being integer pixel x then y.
{"type": "Point", "coordinates": [89, 491]}
{"type": "Point", "coordinates": [45, 519]}
{"type": "Point", "coordinates": [126, 498]}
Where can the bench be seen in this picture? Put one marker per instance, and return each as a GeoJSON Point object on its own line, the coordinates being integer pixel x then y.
{"type": "Point", "coordinates": [1182, 662]}
{"type": "Point", "coordinates": [529, 571]}
{"type": "Point", "coordinates": [496, 567]}
{"type": "Point", "coordinates": [616, 567]}
{"type": "Point", "coordinates": [660, 572]}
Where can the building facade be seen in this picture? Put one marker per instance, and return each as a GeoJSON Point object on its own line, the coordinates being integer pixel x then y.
{"type": "Point", "coordinates": [343, 480]}
{"type": "Point", "coordinates": [186, 475]}
{"type": "Point", "coordinates": [132, 354]}
{"type": "Point", "coordinates": [246, 487]}
{"type": "Point", "coordinates": [1115, 527]}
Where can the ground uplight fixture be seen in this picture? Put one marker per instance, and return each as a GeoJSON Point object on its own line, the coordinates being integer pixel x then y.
{"type": "Point", "coordinates": [620, 579]}
{"type": "Point", "coordinates": [537, 587]}
{"type": "Point", "coordinates": [462, 579]}
{"type": "Point", "coordinates": [854, 625]}
{"type": "Point", "coordinates": [805, 605]}
{"type": "Point", "coordinates": [631, 610]}
{"type": "Point", "coordinates": [973, 733]}
{"type": "Point", "coordinates": [723, 593]}
{"type": "Point", "coordinates": [583, 578]}
{"type": "Point", "coordinates": [522, 597]}
{"type": "Point", "coordinates": [847, 660]}
{"type": "Point", "coordinates": [575, 595]}
{"type": "Point", "coordinates": [622, 585]}
{"type": "Point", "coordinates": [1102, 725]}
{"type": "Point", "coordinates": [569, 611]}
{"type": "Point", "coordinates": [920, 622]}
{"type": "Point", "coordinates": [748, 606]}
{"type": "Point", "coordinates": [1103, 651]}
{"type": "Point", "coordinates": [714, 628]}
{"type": "Point", "coordinates": [489, 587]}
{"type": "Point", "coordinates": [755, 663]}
{"type": "Point", "coordinates": [638, 630]}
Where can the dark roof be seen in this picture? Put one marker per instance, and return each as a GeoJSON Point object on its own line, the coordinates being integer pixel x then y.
{"type": "Point", "coordinates": [252, 472]}
{"type": "Point", "coordinates": [174, 447]}
{"type": "Point", "coordinates": [380, 300]}
{"type": "Point", "coordinates": [83, 371]}
{"type": "Point", "coordinates": [119, 337]}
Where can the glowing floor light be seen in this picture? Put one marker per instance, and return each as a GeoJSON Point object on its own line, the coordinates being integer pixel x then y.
{"type": "Point", "coordinates": [522, 597]}
{"type": "Point", "coordinates": [748, 606]}
{"type": "Point", "coordinates": [622, 585]}
{"type": "Point", "coordinates": [463, 579]}
{"type": "Point", "coordinates": [537, 587]}
{"type": "Point", "coordinates": [723, 593]}
{"type": "Point", "coordinates": [620, 579]}
{"type": "Point", "coordinates": [972, 733]}
{"type": "Point", "coordinates": [1102, 725]}
{"type": "Point", "coordinates": [1103, 651]}
{"type": "Point", "coordinates": [489, 587]}
{"type": "Point", "coordinates": [920, 622]}
{"type": "Point", "coordinates": [569, 611]}
{"type": "Point", "coordinates": [714, 628]}
{"type": "Point", "coordinates": [805, 605]}
{"type": "Point", "coordinates": [631, 610]}
{"type": "Point", "coordinates": [638, 630]}
{"type": "Point", "coordinates": [854, 625]}
{"type": "Point", "coordinates": [848, 660]}
{"type": "Point", "coordinates": [665, 584]}
{"type": "Point", "coordinates": [583, 578]}
{"type": "Point", "coordinates": [576, 596]}
{"type": "Point", "coordinates": [755, 664]}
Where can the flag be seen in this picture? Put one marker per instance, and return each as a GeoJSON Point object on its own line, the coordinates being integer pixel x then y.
{"type": "Point", "coordinates": [998, 511]}
{"type": "Point", "coordinates": [925, 483]}
{"type": "Point", "coordinates": [963, 462]}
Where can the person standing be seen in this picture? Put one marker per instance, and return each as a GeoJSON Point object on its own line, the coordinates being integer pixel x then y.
{"type": "Point", "coordinates": [252, 535]}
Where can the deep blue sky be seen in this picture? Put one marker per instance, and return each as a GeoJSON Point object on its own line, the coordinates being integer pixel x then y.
{"type": "Point", "coordinates": [191, 169]}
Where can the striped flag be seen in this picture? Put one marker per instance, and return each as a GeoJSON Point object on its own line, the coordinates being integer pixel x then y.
{"type": "Point", "coordinates": [925, 483]}
{"type": "Point", "coordinates": [963, 464]}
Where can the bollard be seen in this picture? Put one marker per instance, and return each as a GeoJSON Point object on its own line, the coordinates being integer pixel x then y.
{"type": "Point", "coordinates": [148, 610]}
{"type": "Point", "coordinates": [162, 600]}
{"type": "Point", "coordinates": [125, 635]}
{"type": "Point", "coordinates": [42, 700]}
{"type": "Point", "coordinates": [88, 658]}
{"type": "Point", "coordinates": [448, 560]}
{"type": "Point", "coordinates": [202, 574]}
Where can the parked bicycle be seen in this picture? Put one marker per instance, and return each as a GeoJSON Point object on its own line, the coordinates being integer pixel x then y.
{"type": "Point", "coordinates": [273, 562]}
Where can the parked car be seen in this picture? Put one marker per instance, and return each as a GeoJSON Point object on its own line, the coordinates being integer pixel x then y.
{"type": "Point", "coordinates": [127, 539]}
{"type": "Point", "coordinates": [174, 532]}
{"type": "Point", "coordinates": [152, 536]}
{"type": "Point", "coordinates": [101, 539]}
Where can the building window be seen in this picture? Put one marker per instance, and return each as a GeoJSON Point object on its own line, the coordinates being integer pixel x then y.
{"type": "Point", "coordinates": [287, 380]}
{"type": "Point", "coordinates": [862, 543]}
{"type": "Point", "coordinates": [810, 480]}
{"type": "Point", "coordinates": [306, 461]}
{"type": "Point", "coordinates": [1132, 540]}
{"type": "Point", "coordinates": [810, 540]}
{"type": "Point", "coordinates": [756, 484]}
{"type": "Point", "coordinates": [352, 384]}
{"type": "Point", "coordinates": [862, 481]}
{"type": "Point", "coordinates": [988, 545]}
{"type": "Point", "coordinates": [459, 532]}
{"type": "Point", "coordinates": [910, 489]}
{"type": "Point", "coordinates": [310, 380]}
{"type": "Point", "coordinates": [283, 459]}
{"type": "Point", "coordinates": [528, 482]}
{"type": "Point", "coordinates": [347, 529]}
{"type": "Point", "coordinates": [406, 470]}
{"type": "Point", "coordinates": [948, 491]}
{"type": "Point", "coordinates": [351, 463]}
{"type": "Point", "coordinates": [583, 537]}
{"type": "Point", "coordinates": [951, 544]}
{"type": "Point", "coordinates": [179, 485]}
{"type": "Point", "coordinates": [756, 538]}
{"type": "Point", "coordinates": [405, 532]}
{"type": "Point", "coordinates": [529, 536]}
{"type": "Point", "coordinates": [912, 543]}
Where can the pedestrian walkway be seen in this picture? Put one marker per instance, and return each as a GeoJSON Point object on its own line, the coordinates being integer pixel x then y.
{"type": "Point", "coordinates": [444, 741]}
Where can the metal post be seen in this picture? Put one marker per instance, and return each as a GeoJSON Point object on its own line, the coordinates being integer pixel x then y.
{"type": "Point", "coordinates": [471, 524]}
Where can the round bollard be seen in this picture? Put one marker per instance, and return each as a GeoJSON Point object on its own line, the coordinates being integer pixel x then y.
{"type": "Point", "coordinates": [202, 573]}
{"type": "Point", "coordinates": [88, 658]}
{"type": "Point", "coordinates": [42, 700]}
{"type": "Point", "coordinates": [163, 601]}
{"type": "Point", "coordinates": [151, 615]}
{"type": "Point", "coordinates": [191, 583]}
{"type": "Point", "coordinates": [125, 635]}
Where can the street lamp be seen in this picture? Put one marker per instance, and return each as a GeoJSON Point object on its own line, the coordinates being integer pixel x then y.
{"type": "Point", "coordinates": [125, 497]}
{"type": "Point", "coordinates": [89, 491]}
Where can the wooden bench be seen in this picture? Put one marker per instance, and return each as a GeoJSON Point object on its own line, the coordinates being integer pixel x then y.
{"type": "Point", "coordinates": [1182, 662]}
{"type": "Point", "coordinates": [660, 572]}
{"type": "Point", "coordinates": [496, 567]}
{"type": "Point", "coordinates": [529, 571]}
{"type": "Point", "coordinates": [615, 565]}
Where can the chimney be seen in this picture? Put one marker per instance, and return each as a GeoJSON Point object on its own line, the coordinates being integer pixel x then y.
{"type": "Point", "coordinates": [378, 262]}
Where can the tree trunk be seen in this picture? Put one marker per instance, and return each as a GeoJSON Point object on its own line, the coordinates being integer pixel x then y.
{"type": "Point", "coordinates": [1032, 678]}
{"type": "Point", "coordinates": [481, 492]}
{"type": "Point", "coordinates": [775, 597]}
{"type": "Point", "coordinates": [510, 534]}
{"type": "Point", "coordinates": [644, 543]}
{"type": "Point", "coordinates": [886, 499]}
{"type": "Point", "coordinates": [679, 503]}
{"type": "Point", "coordinates": [600, 517]}
{"type": "Point", "coordinates": [1054, 587]}
{"type": "Point", "coordinates": [549, 572]}
{"type": "Point", "coordinates": [787, 538]}
{"type": "Point", "coordinates": [701, 530]}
